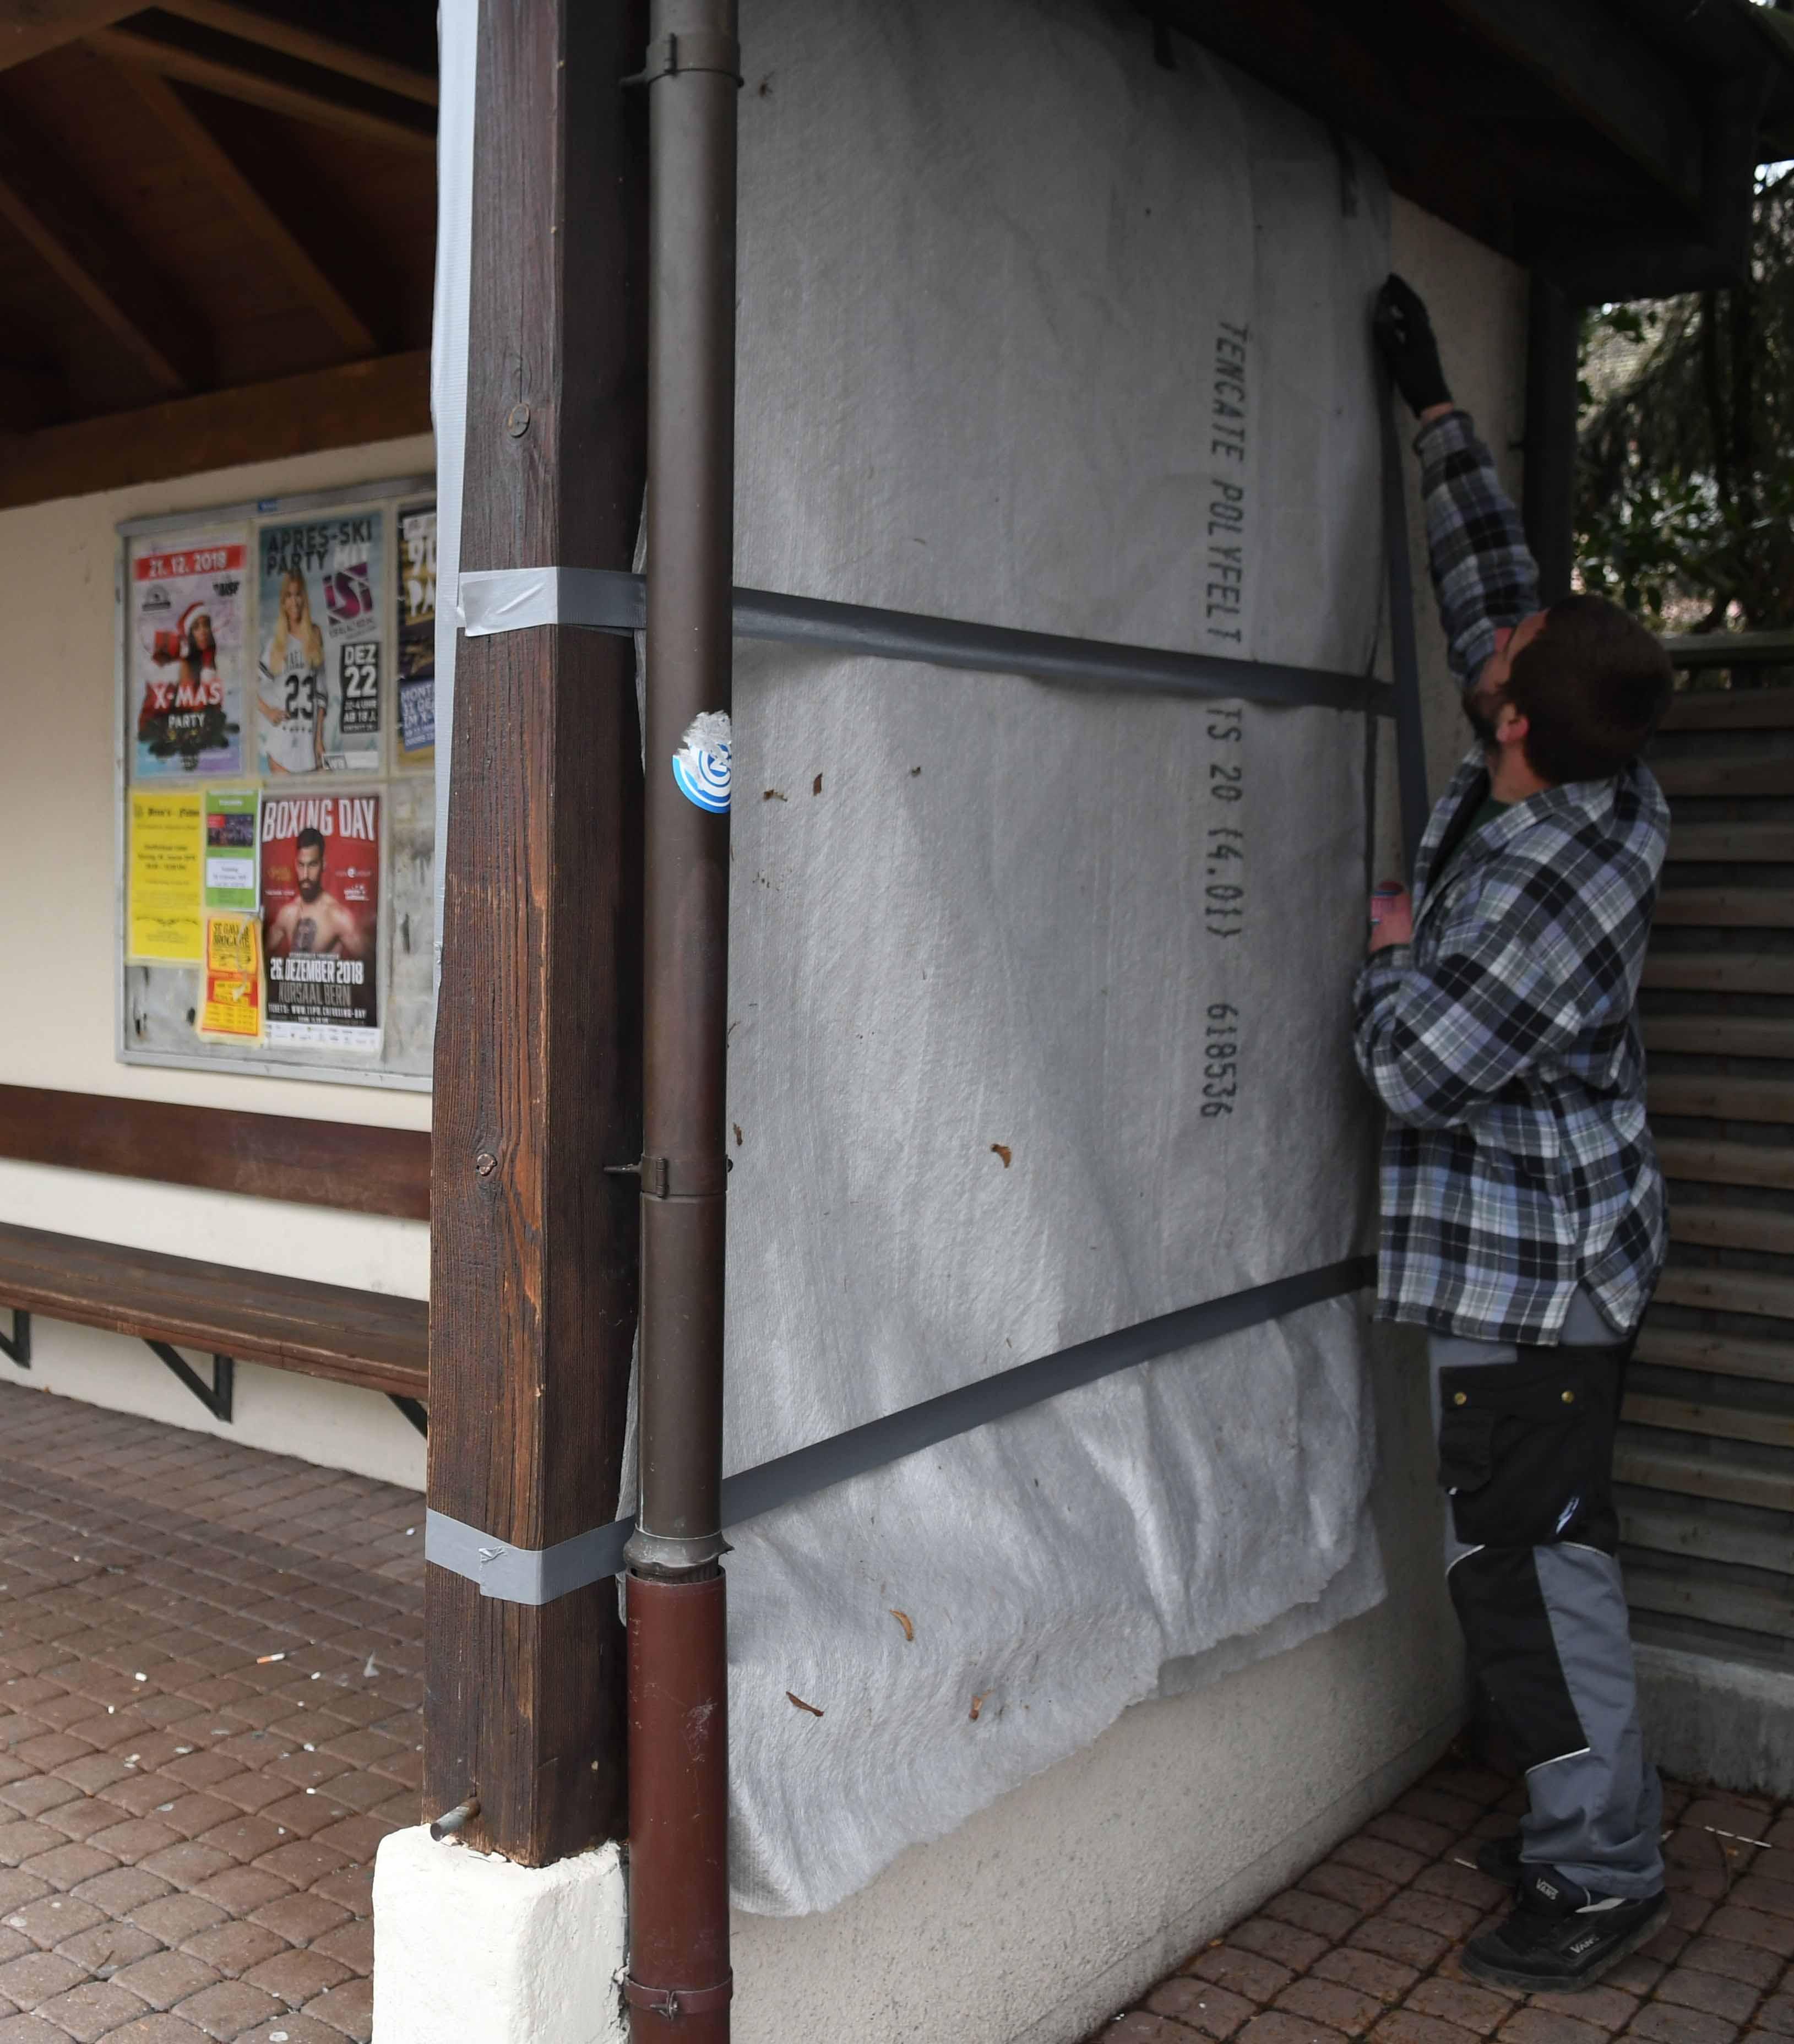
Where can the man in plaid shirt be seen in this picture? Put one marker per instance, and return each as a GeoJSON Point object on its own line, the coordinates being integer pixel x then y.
{"type": "Point", "coordinates": [1523, 1221]}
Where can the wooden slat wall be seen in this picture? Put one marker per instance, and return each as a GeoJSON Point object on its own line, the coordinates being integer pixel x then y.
{"type": "Point", "coordinates": [1706, 1459]}
{"type": "Point", "coordinates": [268, 1156]}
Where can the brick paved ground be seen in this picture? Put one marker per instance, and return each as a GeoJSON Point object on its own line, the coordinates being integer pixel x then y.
{"type": "Point", "coordinates": [187, 1823]}
{"type": "Point", "coordinates": [1366, 1944]}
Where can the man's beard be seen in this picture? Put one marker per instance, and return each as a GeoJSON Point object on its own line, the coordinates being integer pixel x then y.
{"type": "Point", "coordinates": [309, 890]}
{"type": "Point", "coordinates": [1479, 721]}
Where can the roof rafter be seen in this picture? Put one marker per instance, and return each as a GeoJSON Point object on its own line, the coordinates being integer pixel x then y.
{"type": "Point", "coordinates": [30, 27]}
{"type": "Point", "coordinates": [1611, 81]}
{"type": "Point", "coordinates": [94, 262]}
{"type": "Point", "coordinates": [250, 26]}
{"type": "Point", "coordinates": [185, 131]}
{"type": "Point", "coordinates": [232, 79]}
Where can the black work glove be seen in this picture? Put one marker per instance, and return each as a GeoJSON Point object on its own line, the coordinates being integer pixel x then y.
{"type": "Point", "coordinates": [1405, 335]}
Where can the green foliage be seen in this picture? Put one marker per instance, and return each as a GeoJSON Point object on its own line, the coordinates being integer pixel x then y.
{"type": "Point", "coordinates": [1685, 483]}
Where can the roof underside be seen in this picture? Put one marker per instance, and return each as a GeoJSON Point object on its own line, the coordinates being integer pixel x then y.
{"type": "Point", "coordinates": [218, 215]}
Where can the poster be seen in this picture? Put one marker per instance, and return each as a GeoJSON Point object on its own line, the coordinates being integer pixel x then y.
{"type": "Point", "coordinates": [162, 876]}
{"type": "Point", "coordinates": [231, 871]}
{"type": "Point", "coordinates": [232, 1008]}
{"type": "Point", "coordinates": [317, 680]}
{"type": "Point", "coordinates": [321, 905]}
{"type": "Point", "coordinates": [187, 655]}
{"type": "Point", "coordinates": [417, 636]}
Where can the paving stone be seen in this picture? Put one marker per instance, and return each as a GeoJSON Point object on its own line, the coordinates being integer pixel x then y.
{"type": "Point", "coordinates": [37, 1977]}
{"type": "Point", "coordinates": [1458, 2003]}
{"type": "Point", "coordinates": [1395, 1863]}
{"type": "Point", "coordinates": [1297, 1950]}
{"type": "Point", "coordinates": [298, 1977]}
{"type": "Point", "coordinates": [108, 1947]}
{"type": "Point", "coordinates": [51, 1918]}
{"type": "Point", "coordinates": [352, 1945]}
{"type": "Point", "coordinates": [1371, 1973]}
{"type": "Point", "coordinates": [351, 2009]}
{"type": "Point", "coordinates": [1406, 2026]}
{"type": "Point", "coordinates": [233, 1948]}
{"type": "Point", "coordinates": [1349, 1884]}
{"type": "Point", "coordinates": [1777, 2015]}
{"type": "Point", "coordinates": [158, 2030]}
{"type": "Point", "coordinates": [1758, 1891]}
{"type": "Point", "coordinates": [1430, 1840]}
{"type": "Point", "coordinates": [1199, 2003]}
{"type": "Point", "coordinates": [1274, 2026]}
{"type": "Point", "coordinates": [1711, 1993]}
{"type": "Point", "coordinates": [31, 2029]}
{"type": "Point", "coordinates": [1749, 1927]}
{"type": "Point", "coordinates": [1317, 1913]}
{"type": "Point", "coordinates": [1609, 2007]}
{"type": "Point", "coordinates": [1548, 2026]}
{"type": "Point", "coordinates": [1137, 2026]}
{"type": "Point", "coordinates": [1248, 1973]}
{"type": "Point", "coordinates": [227, 2008]}
{"type": "Point", "coordinates": [1409, 1942]}
{"type": "Point", "coordinates": [1452, 1920]}
{"type": "Point", "coordinates": [93, 2010]}
{"type": "Point", "coordinates": [176, 1917]}
{"type": "Point", "coordinates": [165, 1978]}
{"type": "Point", "coordinates": [1664, 2023]}
{"type": "Point", "coordinates": [1325, 2001]}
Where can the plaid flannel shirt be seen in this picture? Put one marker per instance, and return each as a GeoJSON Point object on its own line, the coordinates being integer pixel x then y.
{"type": "Point", "coordinates": [1503, 1040]}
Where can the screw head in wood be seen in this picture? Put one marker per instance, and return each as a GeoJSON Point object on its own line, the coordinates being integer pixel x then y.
{"type": "Point", "coordinates": [486, 1164]}
{"type": "Point", "coordinates": [516, 420]}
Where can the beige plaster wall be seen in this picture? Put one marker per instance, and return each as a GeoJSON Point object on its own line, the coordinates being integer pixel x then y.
{"type": "Point", "coordinates": [59, 965]}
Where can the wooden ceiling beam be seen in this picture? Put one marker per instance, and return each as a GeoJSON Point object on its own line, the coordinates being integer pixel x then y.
{"type": "Point", "coordinates": [32, 28]}
{"type": "Point", "coordinates": [1613, 83]}
{"type": "Point", "coordinates": [285, 37]}
{"type": "Point", "coordinates": [387, 398]}
{"type": "Point", "coordinates": [233, 80]}
{"type": "Point", "coordinates": [43, 204]}
{"type": "Point", "coordinates": [183, 130]}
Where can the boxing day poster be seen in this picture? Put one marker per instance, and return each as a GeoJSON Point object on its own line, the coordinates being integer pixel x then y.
{"type": "Point", "coordinates": [318, 679]}
{"type": "Point", "coordinates": [187, 602]}
{"type": "Point", "coordinates": [320, 915]}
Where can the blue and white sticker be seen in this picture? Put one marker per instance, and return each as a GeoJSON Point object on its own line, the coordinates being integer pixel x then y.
{"type": "Point", "coordinates": [701, 766]}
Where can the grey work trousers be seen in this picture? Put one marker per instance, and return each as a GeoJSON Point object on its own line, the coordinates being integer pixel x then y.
{"type": "Point", "coordinates": [1526, 1451]}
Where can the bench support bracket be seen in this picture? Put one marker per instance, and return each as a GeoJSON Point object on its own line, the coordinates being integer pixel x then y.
{"type": "Point", "coordinates": [414, 1409]}
{"type": "Point", "coordinates": [215, 1397]}
{"type": "Point", "coordinates": [19, 1346]}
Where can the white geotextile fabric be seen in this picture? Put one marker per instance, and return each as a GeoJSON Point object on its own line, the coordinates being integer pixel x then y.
{"type": "Point", "coordinates": [988, 257]}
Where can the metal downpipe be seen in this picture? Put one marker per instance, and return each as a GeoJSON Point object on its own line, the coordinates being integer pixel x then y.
{"type": "Point", "coordinates": [679, 1980]}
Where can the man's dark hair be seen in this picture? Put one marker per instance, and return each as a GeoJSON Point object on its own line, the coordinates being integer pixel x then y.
{"type": "Point", "coordinates": [310, 835]}
{"type": "Point", "coordinates": [1591, 686]}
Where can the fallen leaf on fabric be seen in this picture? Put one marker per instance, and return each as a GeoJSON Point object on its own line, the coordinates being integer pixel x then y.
{"type": "Point", "coordinates": [801, 1705]}
{"type": "Point", "coordinates": [977, 1704]}
{"type": "Point", "coordinates": [773, 795]}
{"type": "Point", "coordinates": [905, 1621]}
{"type": "Point", "coordinates": [739, 1138]}
{"type": "Point", "coordinates": [1002, 1149]}
{"type": "Point", "coordinates": [815, 788]}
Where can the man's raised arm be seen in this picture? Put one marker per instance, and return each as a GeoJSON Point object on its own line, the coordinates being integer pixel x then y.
{"type": "Point", "coordinates": [1483, 575]}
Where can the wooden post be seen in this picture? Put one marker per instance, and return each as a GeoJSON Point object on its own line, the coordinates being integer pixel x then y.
{"type": "Point", "coordinates": [533, 1251]}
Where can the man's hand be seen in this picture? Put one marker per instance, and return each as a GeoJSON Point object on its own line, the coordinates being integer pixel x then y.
{"type": "Point", "coordinates": [1392, 918]}
{"type": "Point", "coordinates": [1404, 334]}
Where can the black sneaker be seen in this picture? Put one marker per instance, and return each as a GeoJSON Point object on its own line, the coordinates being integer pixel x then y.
{"type": "Point", "coordinates": [1563, 1937]}
{"type": "Point", "coordinates": [1500, 1858]}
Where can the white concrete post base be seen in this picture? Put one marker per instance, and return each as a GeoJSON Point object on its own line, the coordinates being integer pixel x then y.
{"type": "Point", "coordinates": [480, 1951]}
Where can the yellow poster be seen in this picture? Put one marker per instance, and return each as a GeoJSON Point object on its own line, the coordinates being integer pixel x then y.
{"type": "Point", "coordinates": [232, 1006]}
{"type": "Point", "coordinates": [164, 876]}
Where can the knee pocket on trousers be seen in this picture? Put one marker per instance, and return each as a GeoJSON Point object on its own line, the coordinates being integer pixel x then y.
{"type": "Point", "coordinates": [1525, 1448]}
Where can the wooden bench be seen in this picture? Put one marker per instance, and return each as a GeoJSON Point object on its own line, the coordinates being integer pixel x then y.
{"type": "Point", "coordinates": [368, 1338]}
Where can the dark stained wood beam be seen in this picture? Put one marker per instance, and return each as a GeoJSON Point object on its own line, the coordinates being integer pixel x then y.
{"type": "Point", "coordinates": [346, 1164]}
{"type": "Point", "coordinates": [538, 1073]}
{"type": "Point", "coordinates": [29, 396]}
{"type": "Point", "coordinates": [272, 87]}
{"type": "Point", "coordinates": [182, 129]}
{"type": "Point", "coordinates": [42, 201]}
{"type": "Point", "coordinates": [287, 36]}
{"type": "Point", "coordinates": [1611, 82]}
{"type": "Point", "coordinates": [33, 28]}
{"type": "Point", "coordinates": [384, 399]}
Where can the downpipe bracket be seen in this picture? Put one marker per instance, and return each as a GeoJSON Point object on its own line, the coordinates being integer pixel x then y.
{"type": "Point", "coordinates": [664, 1554]}
{"type": "Point", "coordinates": [676, 2001]}
{"type": "Point", "coordinates": [698, 49]}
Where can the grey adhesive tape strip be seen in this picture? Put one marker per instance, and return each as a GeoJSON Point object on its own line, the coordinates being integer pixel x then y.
{"type": "Point", "coordinates": [526, 1575]}
{"type": "Point", "coordinates": [607, 599]}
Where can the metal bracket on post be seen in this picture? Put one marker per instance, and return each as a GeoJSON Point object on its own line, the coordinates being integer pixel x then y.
{"type": "Point", "coordinates": [215, 1397]}
{"type": "Point", "coordinates": [414, 1409]}
{"type": "Point", "coordinates": [19, 1346]}
{"type": "Point", "coordinates": [672, 2001]}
